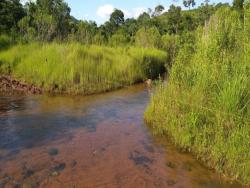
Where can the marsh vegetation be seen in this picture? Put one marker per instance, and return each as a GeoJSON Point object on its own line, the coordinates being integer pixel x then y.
{"type": "Point", "coordinates": [206, 104]}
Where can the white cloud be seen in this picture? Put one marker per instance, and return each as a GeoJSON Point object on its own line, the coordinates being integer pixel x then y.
{"type": "Point", "coordinates": [105, 11]}
{"type": "Point", "coordinates": [138, 11]}
{"type": "Point", "coordinates": [26, 1]}
{"type": "Point", "coordinates": [127, 14]}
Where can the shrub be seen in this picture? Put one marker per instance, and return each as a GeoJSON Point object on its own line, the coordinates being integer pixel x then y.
{"type": "Point", "coordinates": [5, 42]}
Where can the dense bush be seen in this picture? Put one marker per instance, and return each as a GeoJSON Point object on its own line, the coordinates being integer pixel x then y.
{"type": "Point", "coordinates": [148, 38]}
{"type": "Point", "coordinates": [5, 41]}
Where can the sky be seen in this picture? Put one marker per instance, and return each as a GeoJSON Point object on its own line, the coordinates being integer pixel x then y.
{"type": "Point", "coordinates": [100, 10]}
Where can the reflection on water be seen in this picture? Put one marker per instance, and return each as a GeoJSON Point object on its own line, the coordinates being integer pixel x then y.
{"type": "Point", "coordinates": [94, 141]}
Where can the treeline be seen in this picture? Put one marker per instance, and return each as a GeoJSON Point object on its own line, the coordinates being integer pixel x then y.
{"type": "Point", "coordinates": [50, 20]}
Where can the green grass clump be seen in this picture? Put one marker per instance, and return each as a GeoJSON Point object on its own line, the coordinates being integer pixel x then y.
{"type": "Point", "coordinates": [77, 69]}
{"type": "Point", "coordinates": [5, 42]}
{"type": "Point", "coordinates": [205, 107]}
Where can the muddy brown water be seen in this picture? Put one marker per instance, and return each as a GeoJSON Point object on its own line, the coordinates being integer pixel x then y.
{"type": "Point", "coordinates": [91, 142]}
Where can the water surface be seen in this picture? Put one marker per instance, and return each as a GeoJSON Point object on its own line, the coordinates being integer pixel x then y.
{"type": "Point", "coordinates": [91, 142]}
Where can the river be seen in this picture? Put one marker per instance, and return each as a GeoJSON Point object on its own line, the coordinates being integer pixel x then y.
{"type": "Point", "coordinates": [91, 142]}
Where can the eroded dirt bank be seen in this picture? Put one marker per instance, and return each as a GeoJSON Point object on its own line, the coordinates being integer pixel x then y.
{"type": "Point", "coordinates": [8, 84]}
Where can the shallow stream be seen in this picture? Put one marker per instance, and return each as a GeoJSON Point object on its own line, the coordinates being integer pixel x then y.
{"type": "Point", "coordinates": [90, 142]}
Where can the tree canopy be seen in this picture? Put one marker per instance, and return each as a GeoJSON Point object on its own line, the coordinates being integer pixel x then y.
{"type": "Point", "coordinates": [49, 20]}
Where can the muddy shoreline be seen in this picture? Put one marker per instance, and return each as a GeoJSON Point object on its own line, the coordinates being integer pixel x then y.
{"type": "Point", "coordinates": [8, 84]}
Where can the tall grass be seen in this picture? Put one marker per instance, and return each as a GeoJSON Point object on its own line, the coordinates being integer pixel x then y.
{"type": "Point", "coordinates": [5, 42]}
{"type": "Point", "coordinates": [74, 68]}
{"type": "Point", "coordinates": [206, 106]}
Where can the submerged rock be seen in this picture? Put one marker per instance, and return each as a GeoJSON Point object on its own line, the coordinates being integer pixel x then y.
{"type": "Point", "coordinates": [148, 82]}
{"type": "Point", "coordinates": [53, 151]}
{"type": "Point", "coordinates": [170, 165]}
{"type": "Point", "coordinates": [55, 173]}
{"type": "Point", "coordinates": [27, 173]}
{"type": "Point", "coordinates": [73, 163]}
{"type": "Point", "coordinates": [187, 166]}
{"type": "Point", "coordinates": [171, 182]}
{"type": "Point", "coordinates": [59, 167]}
{"type": "Point", "coordinates": [30, 184]}
{"type": "Point", "coordinates": [140, 159]}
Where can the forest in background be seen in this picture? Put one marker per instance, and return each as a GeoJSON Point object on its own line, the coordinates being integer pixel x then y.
{"type": "Point", "coordinates": [50, 20]}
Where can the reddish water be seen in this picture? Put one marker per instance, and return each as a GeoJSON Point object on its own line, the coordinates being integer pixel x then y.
{"type": "Point", "coordinates": [90, 142]}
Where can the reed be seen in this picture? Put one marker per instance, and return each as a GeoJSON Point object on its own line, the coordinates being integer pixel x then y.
{"type": "Point", "coordinates": [77, 69]}
{"type": "Point", "coordinates": [205, 107]}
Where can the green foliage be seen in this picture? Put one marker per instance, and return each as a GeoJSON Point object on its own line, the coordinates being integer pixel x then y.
{"type": "Point", "coordinates": [85, 32]}
{"type": "Point", "coordinates": [174, 19]}
{"type": "Point", "coordinates": [11, 11]}
{"type": "Point", "coordinates": [78, 69]}
{"type": "Point", "coordinates": [206, 106]}
{"type": "Point", "coordinates": [170, 44]}
{"type": "Point", "coordinates": [117, 18]}
{"type": "Point", "coordinates": [99, 39]}
{"type": "Point", "coordinates": [238, 4]}
{"type": "Point", "coordinates": [205, 11]}
{"type": "Point", "coordinates": [5, 42]}
{"type": "Point", "coordinates": [50, 20]}
{"type": "Point", "coordinates": [189, 3]}
{"type": "Point", "coordinates": [118, 40]}
{"type": "Point", "coordinates": [47, 19]}
{"type": "Point", "coordinates": [148, 37]}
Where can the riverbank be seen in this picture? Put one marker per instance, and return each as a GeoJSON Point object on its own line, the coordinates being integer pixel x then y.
{"type": "Point", "coordinates": [7, 84]}
{"type": "Point", "coordinates": [205, 107]}
{"type": "Point", "coordinates": [77, 69]}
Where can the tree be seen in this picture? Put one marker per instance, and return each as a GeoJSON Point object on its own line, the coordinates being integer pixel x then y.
{"type": "Point", "coordinates": [204, 12]}
{"type": "Point", "coordinates": [130, 27]}
{"type": "Point", "coordinates": [117, 18]}
{"type": "Point", "coordinates": [189, 3]}
{"type": "Point", "coordinates": [144, 20]}
{"type": "Point", "coordinates": [26, 31]}
{"type": "Point", "coordinates": [148, 38]}
{"type": "Point", "coordinates": [188, 22]}
{"type": "Point", "coordinates": [107, 29]}
{"type": "Point", "coordinates": [238, 4]}
{"type": "Point", "coordinates": [11, 11]}
{"type": "Point", "coordinates": [49, 18]}
{"type": "Point", "coordinates": [85, 32]}
{"type": "Point", "coordinates": [158, 10]}
{"type": "Point", "coordinates": [174, 19]}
